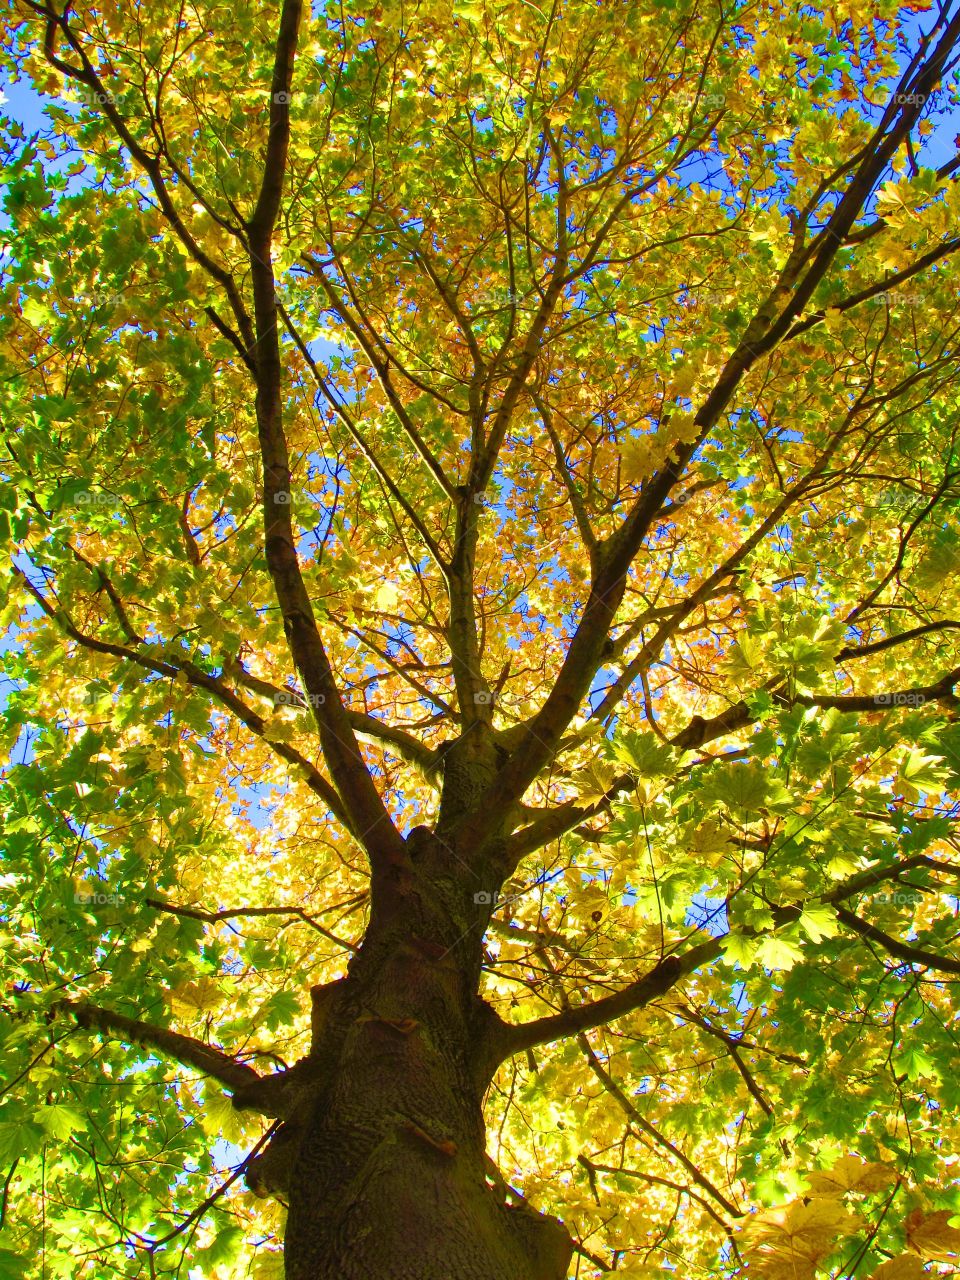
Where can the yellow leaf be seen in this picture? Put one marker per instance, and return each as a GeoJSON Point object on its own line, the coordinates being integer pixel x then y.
{"type": "Point", "coordinates": [798, 1219]}
{"type": "Point", "coordinates": [905, 1267]}
{"type": "Point", "coordinates": [386, 597]}
{"type": "Point", "coordinates": [709, 837]}
{"type": "Point", "coordinates": [850, 1173]}
{"type": "Point", "coordinates": [34, 312]}
{"type": "Point", "coordinates": [792, 1239]}
{"type": "Point", "coordinates": [202, 994]}
{"type": "Point", "coordinates": [636, 461]}
{"type": "Point", "coordinates": [219, 1117]}
{"type": "Point", "coordinates": [778, 953]}
{"type": "Point", "coordinates": [682, 381]}
{"type": "Point", "coordinates": [893, 257]}
{"type": "Point", "coordinates": [931, 1235]}
{"type": "Point", "coordinates": [594, 781]}
{"type": "Point", "coordinates": [684, 427]}
{"type": "Point", "coordinates": [268, 1266]}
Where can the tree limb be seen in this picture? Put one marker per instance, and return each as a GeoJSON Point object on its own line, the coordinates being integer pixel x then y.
{"type": "Point", "coordinates": [404, 744]}
{"type": "Point", "coordinates": [371, 822]}
{"type": "Point", "coordinates": [644, 1125]}
{"type": "Point", "coordinates": [596, 1013]}
{"type": "Point", "coordinates": [201, 680]}
{"type": "Point", "coordinates": [184, 1049]}
{"type": "Point", "coordinates": [765, 331]}
{"type": "Point", "coordinates": [231, 913]}
{"type": "Point", "coordinates": [900, 950]}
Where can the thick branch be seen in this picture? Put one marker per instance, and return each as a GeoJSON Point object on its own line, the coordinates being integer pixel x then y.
{"type": "Point", "coordinates": [184, 1049]}
{"type": "Point", "coordinates": [598, 1013]}
{"type": "Point", "coordinates": [878, 289]}
{"type": "Point", "coordinates": [567, 816]}
{"type": "Point", "coordinates": [171, 667]}
{"type": "Point", "coordinates": [767, 328]}
{"type": "Point", "coordinates": [890, 642]}
{"type": "Point", "coordinates": [371, 821]}
{"type": "Point", "coordinates": [232, 913]}
{"type": "Point", "coordinates": [900, 950]}
{"type": "Point", "coordinates": [515, 1039]}
{"type": "Point", "coordinates": [404, 744]}
{"type": "Point", "coordinates": [863, 880]}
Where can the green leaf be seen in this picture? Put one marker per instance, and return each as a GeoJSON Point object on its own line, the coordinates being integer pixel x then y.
{"type": "Point", "coordinates": [36, 312]}
{"type": "Point", "coordinates": [918, 773]}
{"type": "Point", "coordinates": [281, 1010]}
{"type": "Point", "coordinates": [819, 922]}
{"type": "Point", "coordinates": [59, 1121]}
{"type": "Point", "coordinates": [916, 1063]}
{"type": "Point", "coordinates": [778, 952]}
{"type": "Point", "coordinates": [746, 787]}
{"type": "Point", "coordinates": [741, 948]}
{"type": "Point", "coordinates": [12, 1265]}
{"type": "Point", "coordinates": [20, 1139]}
{"type": "Point", "coordinates": [224, 1248]}
{"type": "Point", "coordinates": [645, 753]}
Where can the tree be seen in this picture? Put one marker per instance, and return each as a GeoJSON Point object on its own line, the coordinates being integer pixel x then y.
{"type": "Point", "coordinates": [482, 494]}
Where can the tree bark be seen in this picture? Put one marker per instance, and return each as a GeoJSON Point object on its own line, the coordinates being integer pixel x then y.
{"type": "Point", "coordinates": [381, 1157]}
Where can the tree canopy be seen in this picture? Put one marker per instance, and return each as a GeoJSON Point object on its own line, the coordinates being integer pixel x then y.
{"type": "Point", "coordinates": [531, 430]}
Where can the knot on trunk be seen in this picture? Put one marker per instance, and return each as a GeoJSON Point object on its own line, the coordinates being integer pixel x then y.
{"type": "Point", "coordinates": [270, 1173]}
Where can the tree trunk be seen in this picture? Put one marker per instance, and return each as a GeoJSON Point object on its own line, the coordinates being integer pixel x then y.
{"type": "Point", "coordinates": [381, 1157]}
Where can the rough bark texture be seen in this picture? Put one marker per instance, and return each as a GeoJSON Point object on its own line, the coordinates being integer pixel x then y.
{"type": "Point", "coordinates": [381, 1156]}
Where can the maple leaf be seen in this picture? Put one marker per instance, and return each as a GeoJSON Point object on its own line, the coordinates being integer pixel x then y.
{"type": "Point", "coordinates": [850, 1173]}
{"type": "Point", "coordinates": [932, 1235]}
{"type": "Point", "coordinates": [906, 1266]}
